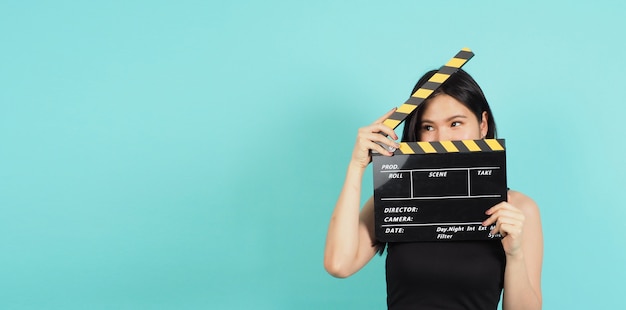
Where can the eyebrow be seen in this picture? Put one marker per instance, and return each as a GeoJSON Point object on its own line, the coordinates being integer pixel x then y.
{"type": "Point", "coordinates": [447, 120]}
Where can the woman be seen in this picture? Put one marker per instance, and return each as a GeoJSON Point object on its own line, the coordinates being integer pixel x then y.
{"type": "Point", "coordinates": [444, 274]}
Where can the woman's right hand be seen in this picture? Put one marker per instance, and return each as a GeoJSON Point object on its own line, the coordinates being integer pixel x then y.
{"type": "Point", "coordinates": [368, 139]}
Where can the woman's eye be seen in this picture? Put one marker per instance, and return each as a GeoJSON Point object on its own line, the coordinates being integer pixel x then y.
{"type": "Point", "coordinates": [427, 128]}
{"type": "Point", "coordinates": [456, 124]}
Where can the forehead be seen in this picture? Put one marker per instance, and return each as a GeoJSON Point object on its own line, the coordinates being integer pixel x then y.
{"type": "Point", "coordinates": [444, 106]}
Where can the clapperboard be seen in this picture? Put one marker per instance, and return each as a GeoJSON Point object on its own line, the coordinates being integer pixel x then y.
{"type": "Point", "coordinates": [430, 191]}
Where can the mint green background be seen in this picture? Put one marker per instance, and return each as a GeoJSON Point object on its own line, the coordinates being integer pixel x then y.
{"type": "Point", "coordinates": [188, 154]}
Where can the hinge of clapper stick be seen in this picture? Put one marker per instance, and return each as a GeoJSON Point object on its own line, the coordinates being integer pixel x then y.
{"type": "Point", "coordinates": [429, 87]}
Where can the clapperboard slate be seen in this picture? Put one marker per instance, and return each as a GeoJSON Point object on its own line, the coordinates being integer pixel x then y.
{"type": "Point", "coordinates": [437, 191]}
{"type": "Point", "coordinates": [440, 192]}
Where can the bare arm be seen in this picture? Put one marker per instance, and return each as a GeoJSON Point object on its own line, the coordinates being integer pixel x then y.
{"type": "Point", "coordinates": [350, 238]}
{"type": "Point", "coordinates": [519, 222]}
{"type": "Point", "coordinates": [349, 243]}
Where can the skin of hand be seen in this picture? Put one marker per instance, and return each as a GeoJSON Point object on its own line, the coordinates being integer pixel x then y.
{"type": "Point", "coordinates": [509, 222]}
{"type": "Point", "coordinates": [368, 138]}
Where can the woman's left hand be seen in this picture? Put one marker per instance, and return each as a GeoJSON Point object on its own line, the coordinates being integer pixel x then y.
{"type": "Point", "coordinates": [509, 222]}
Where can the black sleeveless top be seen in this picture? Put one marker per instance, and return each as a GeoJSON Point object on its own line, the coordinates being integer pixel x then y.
{"type": "Point", "coordinates": [445, 275]}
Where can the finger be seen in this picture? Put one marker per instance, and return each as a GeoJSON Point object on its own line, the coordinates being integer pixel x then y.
{"type": "Point", "coordinates": [506, 213]}
{"type": "Point", "coordinates": [365, 146]}
{"type": "Point", "coordinates": [384, 128]}
{"type": "Point", "coordinates": [511, 229]}
{"type": "Point", "coordinates": [387, 131]}
{"type": "Point", "coordinates": [494, 230]}
{"type": "Point", "coordinates": [386, 116]}
{"type": "Point", "coordinates": [513, 224]}
{"type": "Point", "coordinates": [378, 148]}
{"type": "Point", "coordinates": [508, 229]}
{"type": "Point", "coordinates": [505, 216]}
{"type": "Point", "coordinates": [509, 221]}
{"type": "Point", "coordinates": [511, 213]}
{"type": "Point", "coordinates": [380, 139]}
{"type": "Point", "coordinates": [493, 213]}
{"type": "Point", "coordinates": [502, 206]}
{"type": "Point", "coordinates": [497, 229]}
{"type": "Point", "coordinates": [489, 221]}
{"type": "Point", "coordinates": [497, 207]}
{"type": "Point", "coordinates": [379, 129]}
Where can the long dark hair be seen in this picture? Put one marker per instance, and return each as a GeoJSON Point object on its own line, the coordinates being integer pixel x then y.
{"type": "Point", "coordinates": [460, 86]}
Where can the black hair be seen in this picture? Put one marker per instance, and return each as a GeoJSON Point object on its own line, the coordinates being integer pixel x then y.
{"type": "Point", "coordinates": [460, 86]}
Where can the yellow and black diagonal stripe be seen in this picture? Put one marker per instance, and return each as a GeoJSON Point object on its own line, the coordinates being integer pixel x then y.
{"type": "Point", "coordinates": [428, 88]}
{"type": "Point", "coordinates": [462, 146]}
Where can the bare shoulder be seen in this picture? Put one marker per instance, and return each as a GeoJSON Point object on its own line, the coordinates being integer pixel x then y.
{"type": "Point", "coordinates": [526, 204]}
